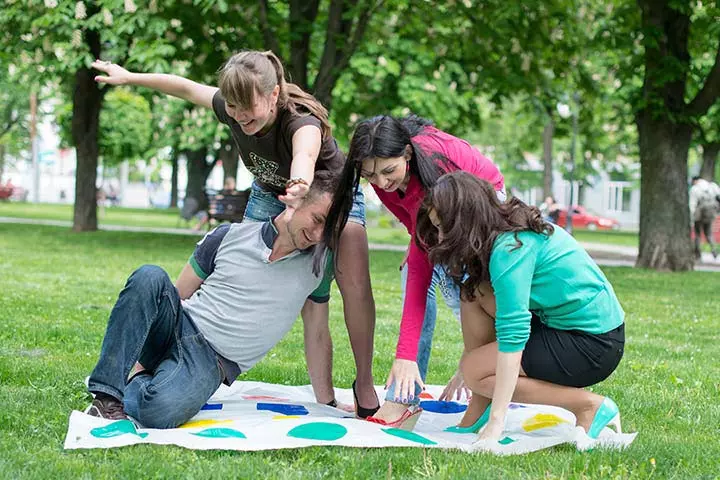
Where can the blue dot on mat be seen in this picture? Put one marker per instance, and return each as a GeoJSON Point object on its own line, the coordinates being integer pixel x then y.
{"type": "Point", "coordinates": [437, 406]}
{"type": "Point", "coordinates": [212, 406]}
{"type": "Point", "coordinates": [283, 408]}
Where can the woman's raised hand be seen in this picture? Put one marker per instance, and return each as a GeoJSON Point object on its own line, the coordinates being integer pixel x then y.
{"type": "Point", "coordinates": [114, 74]}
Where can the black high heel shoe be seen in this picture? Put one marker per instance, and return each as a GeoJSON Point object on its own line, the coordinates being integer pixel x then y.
{"type": "Point", "coordinates": [362, 412]}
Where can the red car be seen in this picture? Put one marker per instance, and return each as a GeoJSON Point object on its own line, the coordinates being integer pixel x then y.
{"type": "Point", "coordinates": [584, 219]}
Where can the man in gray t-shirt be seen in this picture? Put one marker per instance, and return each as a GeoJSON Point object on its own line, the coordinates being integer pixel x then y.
{"type": "Point", "coordinates": [239, 294]}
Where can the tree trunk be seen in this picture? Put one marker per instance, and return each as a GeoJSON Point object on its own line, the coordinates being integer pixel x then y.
{"type": "Point", "coordinates": [198, 170]}
{"type": "Point", "coordinates": [347, 21]}
{"type": "Point", "coordinates": [302, 18]}
{"type": "Point", "coordinates": [2, 163]}
{"type": "Point", "coordinates": [548, 132]}
{"type": "Point", "coordinates": [229, 155]}
{"type": "Point", "coordinates": [664, 215]}
{"type": "Point", "coordinates": [174, 177]}
{"type": "Point", "coordinates": [710, 155]}
{"type": "Point", "coordinates": [87, 102]}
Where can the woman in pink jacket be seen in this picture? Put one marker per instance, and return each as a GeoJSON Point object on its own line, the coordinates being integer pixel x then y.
{"type": "Point", "coordinates": [403, 158]}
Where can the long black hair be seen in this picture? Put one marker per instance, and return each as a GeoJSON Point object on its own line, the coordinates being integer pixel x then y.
{"type": "Point", "coordinates": [383, 136]}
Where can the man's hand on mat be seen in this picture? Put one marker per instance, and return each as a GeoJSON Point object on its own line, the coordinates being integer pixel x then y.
{"type": "Point", "coordinates": [405, 374]}
{"type": "Point", "coordinates": [116, 75]}
{"type": "Point", "coordinates": [455, 389]}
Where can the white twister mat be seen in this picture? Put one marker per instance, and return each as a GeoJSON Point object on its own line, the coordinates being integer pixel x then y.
{"type": "Point", "coordinates": [263, 416]}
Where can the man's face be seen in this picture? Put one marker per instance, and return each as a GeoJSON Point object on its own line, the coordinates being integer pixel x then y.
{"type": "Point", "coordinates": [306, 225]}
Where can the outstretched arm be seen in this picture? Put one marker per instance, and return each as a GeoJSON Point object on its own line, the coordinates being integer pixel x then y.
{"type": "Point", "coordinates": [174, 85]}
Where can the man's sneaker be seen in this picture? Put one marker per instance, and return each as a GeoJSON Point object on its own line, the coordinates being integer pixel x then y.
{"type": "Point", "coordinates": [107, 406]}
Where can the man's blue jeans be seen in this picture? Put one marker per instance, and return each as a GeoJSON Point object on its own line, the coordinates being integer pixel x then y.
{"type": "Point", "coordinates": [149, 325]}
{"type": "Point", "coordinates": [451, 295]}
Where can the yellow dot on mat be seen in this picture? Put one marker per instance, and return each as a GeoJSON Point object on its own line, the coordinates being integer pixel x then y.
{"type": "Point", "coordinates": [542, 420]}
{"type": "Point", "coordinates": [285, 417]}
{"type": "Point", "coordinates": [204, 423]}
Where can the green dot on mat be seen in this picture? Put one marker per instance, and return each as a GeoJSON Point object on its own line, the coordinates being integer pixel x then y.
{"type": "Point", "coordinates": [318, 431]}
{"type": "Point", "coordinates": [121, 427]}
{"type": "Point", "coordinates": [506, 441]}
{"type": "Point", "coordinates": [413, 437]}
{"type": "Point", "coordinates": [220, 433]}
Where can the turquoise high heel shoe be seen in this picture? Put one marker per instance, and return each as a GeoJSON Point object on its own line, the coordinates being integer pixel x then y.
{"type": "Point", "coordinates": [607, 414]}
{"type": "Point", "coordinates": [475, 427]}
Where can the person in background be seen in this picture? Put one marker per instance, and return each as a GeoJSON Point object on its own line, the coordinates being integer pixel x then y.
{"type": "Point", "coordinates": [704, 207]}
{"type": "Point", "coordinates": [550, 210]}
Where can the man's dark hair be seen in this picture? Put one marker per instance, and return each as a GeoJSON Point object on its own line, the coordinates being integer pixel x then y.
{"type": "Point", "coordinates": [324, 181]}
{"type": "Point", "coordinates": [695, 178]}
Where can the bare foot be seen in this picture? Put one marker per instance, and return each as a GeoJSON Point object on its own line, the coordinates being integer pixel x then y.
{"type": "Point", "coordinates": [391, 411]}
{"type": "Point", "coordinates": [586, 415]}
{"type": "Point", "coordinates": [345, 407]}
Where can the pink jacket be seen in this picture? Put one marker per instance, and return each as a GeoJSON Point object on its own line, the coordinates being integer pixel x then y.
{"type": "Point", "coordinates": [405, 208]}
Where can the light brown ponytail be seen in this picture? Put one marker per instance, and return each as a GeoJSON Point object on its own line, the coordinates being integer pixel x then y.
{"type": "Point", "coordinates": [250, 72]}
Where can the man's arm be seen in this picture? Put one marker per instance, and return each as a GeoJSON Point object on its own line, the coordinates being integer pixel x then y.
{"type": "Point", "coordinates": [318, 349]}
{"type": "Point", "coordinates": [188, 282]}
{"type": "Point", "coordinates": [174, 85]}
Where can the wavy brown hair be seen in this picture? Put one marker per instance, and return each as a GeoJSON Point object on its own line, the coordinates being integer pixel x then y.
{"type": "Point", "coordinates": [251, 72]}
{"type": "Point", "coordinates": [470, 218]}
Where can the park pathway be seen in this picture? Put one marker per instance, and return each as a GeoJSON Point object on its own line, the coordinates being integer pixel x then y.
{"type": "Point", "coordinates": [603, 253]}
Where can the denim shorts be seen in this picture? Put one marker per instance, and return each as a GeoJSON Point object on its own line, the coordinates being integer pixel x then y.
{"type": "Point", "coordinates": [263, 205]}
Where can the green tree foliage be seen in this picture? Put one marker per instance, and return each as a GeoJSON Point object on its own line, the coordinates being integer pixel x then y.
{"type": "Point", "coordinates": [14, 116]}
{"type": "Point", "coordinates": [125, 127]}
{"type": "Point", "coordinates": [59, 39]}
{"type": "Point", "coordinates": [666, 56]}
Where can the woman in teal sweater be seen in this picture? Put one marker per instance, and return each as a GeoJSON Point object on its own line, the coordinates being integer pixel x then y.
{"type": "Point", "coordinates": [540, 321]}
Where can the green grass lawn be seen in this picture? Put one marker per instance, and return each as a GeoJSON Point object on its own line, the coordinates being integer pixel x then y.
{"type": "Point", "coordinates": [134, 217]}
{"type": "Point", "coordinates": [58, 288]}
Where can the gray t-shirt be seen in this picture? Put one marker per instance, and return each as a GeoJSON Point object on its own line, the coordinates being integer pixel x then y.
{"type": "Point", "coordinates": [246, 303]}
{"type": "Point", "coordinates": [269, 156]}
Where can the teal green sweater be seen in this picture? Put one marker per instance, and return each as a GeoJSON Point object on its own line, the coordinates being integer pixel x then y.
{"type": "Point", "coordinates": [553, 277]}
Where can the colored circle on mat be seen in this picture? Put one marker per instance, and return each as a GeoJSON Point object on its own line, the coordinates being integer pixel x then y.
{"type": "Point", "coordinates": [318, 431]}
{"type": "Point", "coordinates": [542, 420]}
{"type": "Point", "coordinates": [413, 437]}
{"type": "Point", "coordinates": [437, 406]}
{"type": "Point", "coordinates": [121, 427]}
{"type": "Point", "coordinates": [220, 433]}
{"type": "Point", "coordinates": [283, 408]}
